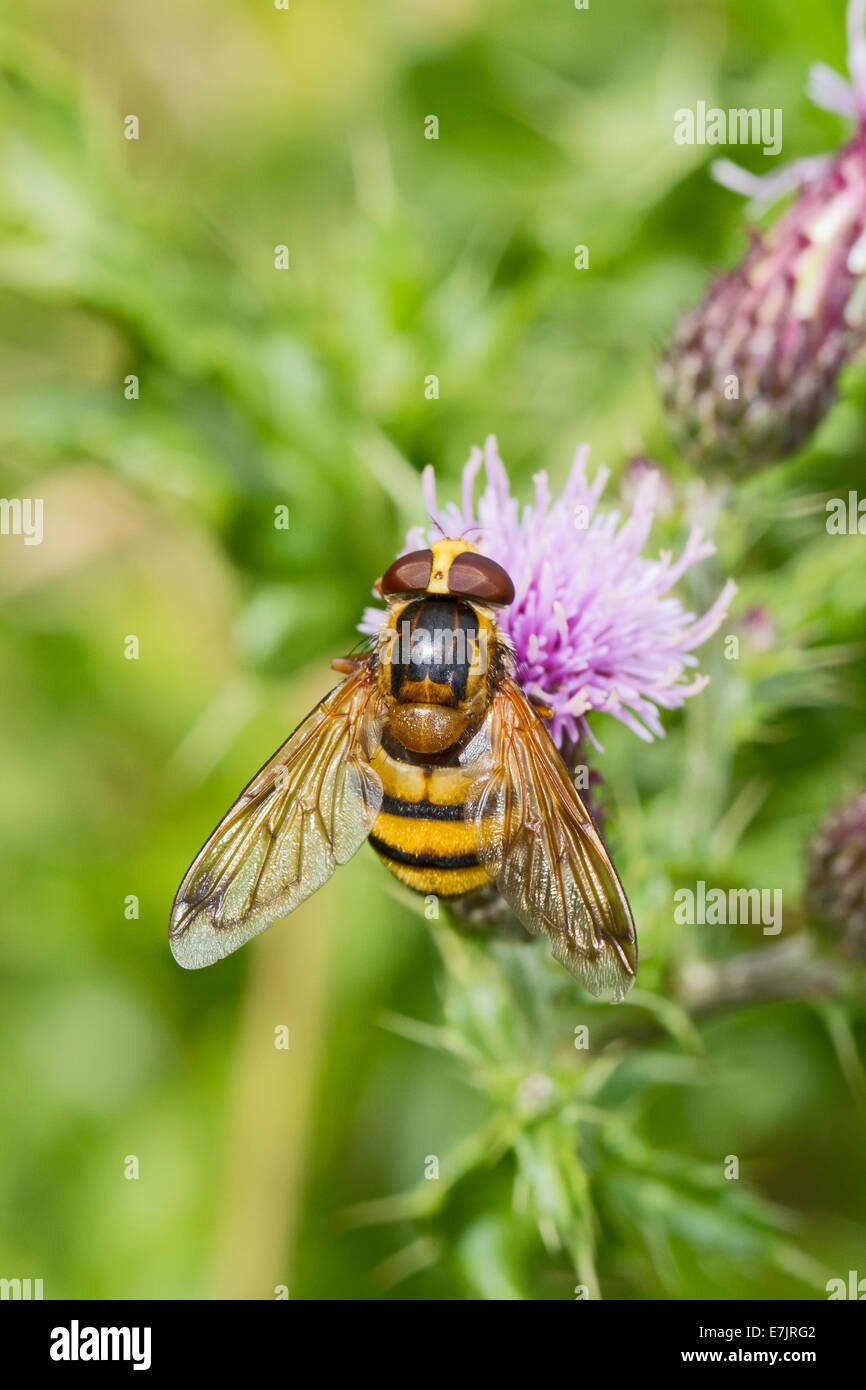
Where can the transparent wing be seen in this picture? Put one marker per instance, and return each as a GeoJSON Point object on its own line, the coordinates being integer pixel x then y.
{"type": "Point", "coordinates": [539, 844]}
{"type": "Point", "coordinates": [308, 809]}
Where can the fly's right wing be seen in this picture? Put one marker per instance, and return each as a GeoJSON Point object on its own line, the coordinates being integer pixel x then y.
{"type": "Point", "coordinates": [539, 844]}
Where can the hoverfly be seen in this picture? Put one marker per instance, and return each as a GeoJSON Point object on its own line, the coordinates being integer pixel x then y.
{"type": "Point", "coordinates": [429, 749]}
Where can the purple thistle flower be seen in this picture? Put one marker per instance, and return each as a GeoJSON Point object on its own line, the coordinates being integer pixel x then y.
{"type": "Point", "coordinates": [752, 371]}
{"type": "Point", "coordinates": [594, 623]}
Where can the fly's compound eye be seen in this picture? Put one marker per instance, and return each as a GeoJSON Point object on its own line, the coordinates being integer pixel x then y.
{"type": "Point", "coordinates": [409, 574]}
{"type": "Point", "coordinates": [477, 576]}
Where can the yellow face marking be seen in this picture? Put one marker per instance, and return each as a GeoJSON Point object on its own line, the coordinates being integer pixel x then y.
{"type": "Point", "coordinates": [445, 553]}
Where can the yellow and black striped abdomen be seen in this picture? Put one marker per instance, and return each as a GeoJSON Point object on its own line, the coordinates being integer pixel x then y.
{"type": "Point", "coordinates": [421, 832]}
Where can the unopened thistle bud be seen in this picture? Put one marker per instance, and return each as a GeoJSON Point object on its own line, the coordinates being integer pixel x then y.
{"type": "Point", "coordinates": [752, 371]}
{"type": "Point", "coordinates": [836, 885]}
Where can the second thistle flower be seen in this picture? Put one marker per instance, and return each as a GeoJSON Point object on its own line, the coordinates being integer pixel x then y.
{"type": "Point", "coordinates": [752, 371]}
{"type": "Point", "coordinates": [836, 885]}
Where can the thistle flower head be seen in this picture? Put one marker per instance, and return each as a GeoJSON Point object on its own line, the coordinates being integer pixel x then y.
{"type": "Point", "coordinates": [752, 371]}
{"type": "Point", "coordinates": [836, 883]}
{"type": "Point", "coordinates": [759, 628]}
{"type": "Point", "coordinates": [594, 623]}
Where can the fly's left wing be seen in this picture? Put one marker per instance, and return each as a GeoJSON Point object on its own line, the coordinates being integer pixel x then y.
{"type": "Point", "coordinates": [539, 844]}
{"type": "Point", "coordinates": [308, 809]}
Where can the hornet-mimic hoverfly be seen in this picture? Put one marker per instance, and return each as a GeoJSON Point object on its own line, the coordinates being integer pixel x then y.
{"type": "Point", "coordinates": [429, 749]}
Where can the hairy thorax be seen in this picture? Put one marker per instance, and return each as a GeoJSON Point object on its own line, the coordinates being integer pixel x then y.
{"type": "Point", "coordinates": [435, 658]}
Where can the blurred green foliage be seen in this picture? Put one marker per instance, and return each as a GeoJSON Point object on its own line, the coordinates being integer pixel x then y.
{"type": "Point", "coordinates": [304, 388]}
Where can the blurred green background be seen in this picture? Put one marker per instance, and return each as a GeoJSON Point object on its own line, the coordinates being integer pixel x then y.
{"type": "Point", "coordinates": [305, 1168]}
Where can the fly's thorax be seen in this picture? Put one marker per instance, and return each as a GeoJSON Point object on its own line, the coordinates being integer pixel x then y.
{"type": "Point", "coordinates": [427, 729]}
{"type": "Point", "coordinates": [436, 655]}
{"type": "Point", "coordinates": [436, 650]}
